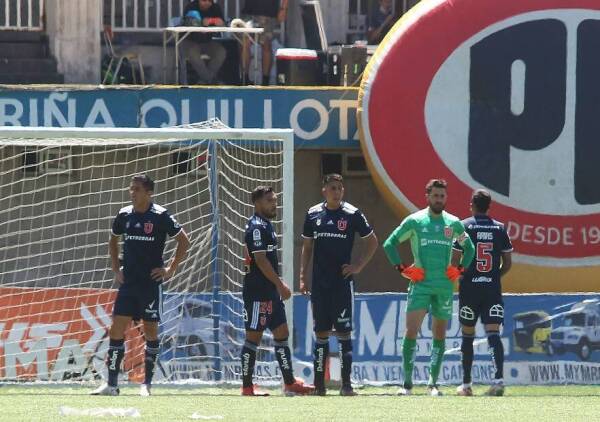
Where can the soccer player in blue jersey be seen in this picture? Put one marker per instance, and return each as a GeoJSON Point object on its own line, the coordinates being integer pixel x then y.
{"type": "Point", "coordinates": [480, 291]}
{"type": "Point", "coordinates": [144, 227]}
{"type": "Point", "coordinates": [328, 238]}
{"type": "Point", "coordinates": [263, 293]}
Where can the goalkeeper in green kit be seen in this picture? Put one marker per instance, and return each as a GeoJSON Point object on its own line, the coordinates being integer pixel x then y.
{"type": "Point", "coordinates": [431, 232]}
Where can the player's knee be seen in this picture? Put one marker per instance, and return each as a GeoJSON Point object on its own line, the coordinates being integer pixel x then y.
{"type": "Point", "coordinates": [281, 332]}
{"type": "Point", "coordinates": [116, 332]}
{"type": "Point", "coordinates": [150, 330]}
{"type": "Point", "coordinates": [254, 336]}
{"type": "Point", "coordinates": [468, 331]}
{"type": "Point", "coordinates": [322, 335]}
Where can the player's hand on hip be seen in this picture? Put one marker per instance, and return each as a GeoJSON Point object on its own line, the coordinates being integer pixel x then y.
{"type": "Point", "coordinates": [119, 276]}
{"type": "Point", "coordinates": [412, 273]}
{"type": "Point", "coordinates": [161, 274]}
{"type": "Point", "coordinates": [349, 269]}
{"type": "Point", "coordinates": [304, 288]}
{"type": "Point", "coordinates": [284, 291]}
{"type": "Point", "coordinates": [454, 273]}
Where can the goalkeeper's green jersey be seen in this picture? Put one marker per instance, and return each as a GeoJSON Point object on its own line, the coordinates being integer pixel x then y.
{"type": "Point", "coordinates": [431, 239]}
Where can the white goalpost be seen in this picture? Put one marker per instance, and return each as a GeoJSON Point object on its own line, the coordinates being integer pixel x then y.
{"type": "Point", "coordinates": [60, 189]}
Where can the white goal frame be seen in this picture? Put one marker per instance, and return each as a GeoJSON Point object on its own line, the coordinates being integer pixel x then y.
{"type": "Point", "coordinates": [41, 136]}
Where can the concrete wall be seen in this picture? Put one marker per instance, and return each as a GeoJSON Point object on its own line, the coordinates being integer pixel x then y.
{"type": "Point", "coordinates": [360, 192]}
{"type": "Point", "coordinates": [73, 27]}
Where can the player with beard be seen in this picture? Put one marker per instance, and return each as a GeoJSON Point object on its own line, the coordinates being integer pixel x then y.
{"type": "Point", "coordinates": [263, 293]}
{"type": "Point", "coordinates": [431, 232]}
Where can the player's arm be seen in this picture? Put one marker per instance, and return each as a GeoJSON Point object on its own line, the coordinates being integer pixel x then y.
{"type": "Point", "coordinates": [367, 233]}
{"type": "Point", "coordinates": [308, 243]}
{"type": "Point", "coordinates": [402, 233]}
{"type": "Point", "coordinates": [183, 244]}
{"type": "Point", "coordinates": [456, 256]}
{"type": "Point", "coordinates": [465, 243]}
{"type": "Point", "coordinates": [305, 257]}
{"type": "Point", "coordinates": [118, 229]}
{"type": "Point", "coordinates": [399, 237]}
{"type": "Point", "coordinates": [175, 230]}
{"type": "Point", "coordinates": [506, 263]}
{"type": "Point", "coordinates": [506, 255]}
{"type": "Point", "coordinates": [372, 243]}
{"type": "Point", "coordinates": [265, 267]}
{"type": "Point", "coordinates": [113, 250]}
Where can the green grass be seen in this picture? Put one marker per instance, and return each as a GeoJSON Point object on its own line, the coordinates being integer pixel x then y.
{"type": "Point", "coordinates": [527, 404]}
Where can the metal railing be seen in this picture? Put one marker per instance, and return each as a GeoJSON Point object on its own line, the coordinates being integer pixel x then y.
{"type": "Point", "coordinates": [22, 15]}
{"type": "Point", "coordinates": [152, 15]}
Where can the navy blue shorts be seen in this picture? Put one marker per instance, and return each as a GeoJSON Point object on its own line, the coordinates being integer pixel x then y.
{"type": "Point", "coordinates": [260, 315]}
{"type": "Point", "coordinates": [139, 301]}
{"type": "Point", "coordinates": [473, 305]}
{"type": "Point", "coordinates": [332, 307]}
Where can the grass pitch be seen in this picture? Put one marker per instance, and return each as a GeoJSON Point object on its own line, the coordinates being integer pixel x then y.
{"type": "Point", "coordinates": [560, 403]}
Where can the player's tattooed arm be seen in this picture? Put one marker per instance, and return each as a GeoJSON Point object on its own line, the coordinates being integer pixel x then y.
{"type": "Point", "coordinates": [113, 249]}
{"type": "Point", "coordinates": [265, 267]}
{"type": "Point", "coordinates": [456, 257]}
{"type": "Point", "coordinates": [466, 244]}
{"type": "Point", "coordinates": [305, 257]}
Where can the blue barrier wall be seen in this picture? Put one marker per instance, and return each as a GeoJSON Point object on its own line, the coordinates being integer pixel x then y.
{"type": "Point", "coordinates": [546, 339]}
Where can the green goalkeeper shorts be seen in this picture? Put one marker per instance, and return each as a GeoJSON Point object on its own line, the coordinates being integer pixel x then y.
{"type": "Point", "coordinates": [438, 302]}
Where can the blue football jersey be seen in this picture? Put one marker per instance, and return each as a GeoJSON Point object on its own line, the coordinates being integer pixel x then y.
{"type": "Point", "coordinates": [260, 236]}
{"type": "Point", "coordinates": [144, 237]}
{"type": "Point", "coordinates": [333, 233]}
{"type": "Point", "coordinates": [491, 240]}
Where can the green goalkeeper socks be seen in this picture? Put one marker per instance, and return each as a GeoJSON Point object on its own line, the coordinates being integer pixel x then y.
{"type": "Point", "coordinates": [409, 347]}
{"type": "Point", "coordinates": [437, 356]}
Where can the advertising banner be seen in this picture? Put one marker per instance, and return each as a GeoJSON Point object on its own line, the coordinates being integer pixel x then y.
{"type": "Point", "coordinates": [60, 334]}
{"type": "Point", "coordinates": [321, 118]}
{"type": "Point", "coordinates": [548, 339]}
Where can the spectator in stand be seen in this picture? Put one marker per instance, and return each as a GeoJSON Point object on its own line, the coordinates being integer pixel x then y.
{"type": "Point", "coordinates": [197, 47]}
{"type": "Point", "coordinates": [381, 21]}
{"type": "Point", "coordinates": [265, 14]}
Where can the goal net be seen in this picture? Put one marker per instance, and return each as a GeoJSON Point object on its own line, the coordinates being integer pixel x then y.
{"type": "Point", "coordinates": [60, 189]}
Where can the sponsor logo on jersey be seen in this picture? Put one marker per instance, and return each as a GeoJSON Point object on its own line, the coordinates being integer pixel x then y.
{"type": "Point", "coordinates": [318, 221]}
{"type": "Point", "coordinates": [137, 225]}
{"type": "Point", "coordinates": [427, 242]}
{"type": "Point", "coordinates": [142, 238]}
{"type": "Point", "coordinates": [342, 224]}
{"type": "Point", "coordinates": [333, 235]}
{"type": "Point", "coordinates": [330, 223]}
{"type": "Point", "coordinates": [148, 228]}
{"type": "Point", "coordinates": [481, 279]}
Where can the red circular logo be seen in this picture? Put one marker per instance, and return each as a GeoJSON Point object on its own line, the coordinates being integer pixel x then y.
{"type": "Point", "coordinates": [501, 95]}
